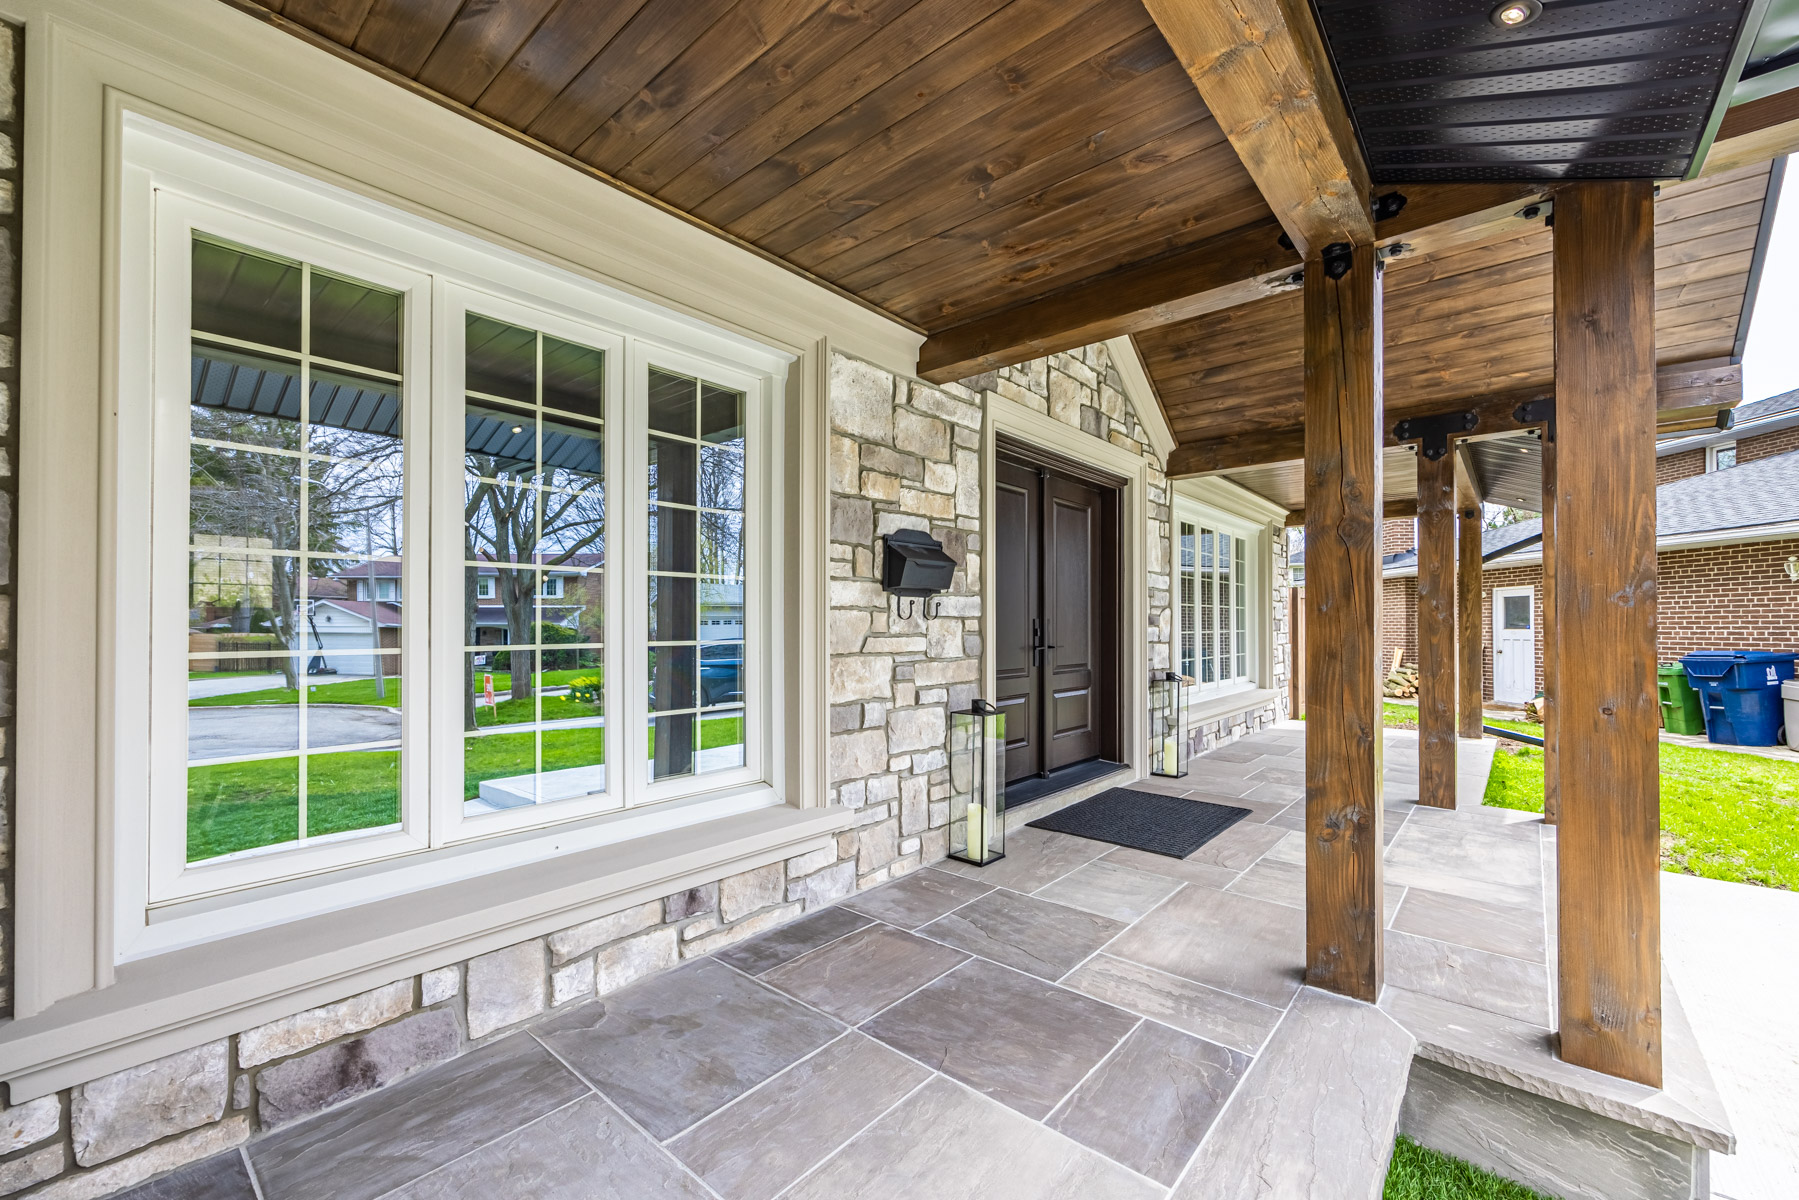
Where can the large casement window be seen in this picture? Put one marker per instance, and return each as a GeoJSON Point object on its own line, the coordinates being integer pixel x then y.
{"type": "Point", "coordinates": [443, 548]}
{"type": "Point", "coordinates": [1215, 629]}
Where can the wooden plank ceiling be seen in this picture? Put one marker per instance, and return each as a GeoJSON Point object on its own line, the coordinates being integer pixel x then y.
{"type": "Point", "coordinates": [938, 159]}
{"type": "Point", "coordinates": [1465, 321]}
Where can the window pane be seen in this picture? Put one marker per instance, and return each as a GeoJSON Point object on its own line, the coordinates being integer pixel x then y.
{"type": "Point", "coordinates": [1517, 612]}
{"type": "Point", "coordinates": [721, 674]}
{"type": "Point", "coordinates": [574, 762]}
{"type": "Point", "coordinates": [245, 497]}
{"type": "Point", "coordinates": [721, 743]}
{"type": "Point", "coordinates": [1188, 552]}
{"type": "Point", "coordinates": [353, 416]}
{"type": "Point", "coordinates": [672, 471]}
{"type": "Point", "coordinates": [574, 529]}
{"type": "Point", "coordinates": [355, 791]}
{"type": "Point", "coordinates": [671, 746]}
{"type": "Point", "coordinates": [244, 295]}
{"type": "Point", "coordinates": [501, 442]}
{"type": "Point", "coordinates": [721, 415]}
{"type": "Point", "coordinates": [1208, 610]}
{"type": "Point", "coordinates": [671, 539]}
{"type": "Point", "coordinates": [671, 608]}
{"type": "Point", "coordinates": [243, 778]}
{"type": "Point", "coordinates": [1242, 621]}
{"type": "Point", "coordinates": [355, 323]}
{"type": "Point", "coordinates": [573, 455]}
{"type": "Point", "coordinates": [671, 678]}
{"type": "Point", "coordinates": [245, 397]}
{"type": "Point", "coordinates": [721, 544]}
{"type": "Point", "coordinates": [501, 360]}
{"type": "Point", "coordinates": [721, 610]}
{"type": "Point", "coordinates": [672, 403]}
{"type": "Point", "coordinates": [574, 378]}
{"type": "Point", "coordinates": [241, 603]}
{"type": "Point", "coordinates": [721, 478]}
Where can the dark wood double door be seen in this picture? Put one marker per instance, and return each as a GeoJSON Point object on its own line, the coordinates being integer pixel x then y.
{"type": "Point", "coordinates": [1056, 586]}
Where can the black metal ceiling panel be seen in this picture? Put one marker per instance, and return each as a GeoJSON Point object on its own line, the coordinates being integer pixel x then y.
{"type": "Point", "coordinates": [1589, 89]}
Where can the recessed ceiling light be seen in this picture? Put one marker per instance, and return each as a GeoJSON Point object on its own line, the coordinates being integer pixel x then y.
{"type": "Point", "coordinates": [1515, 14]}
{"type": "Point", "coordinates": [518, 429]}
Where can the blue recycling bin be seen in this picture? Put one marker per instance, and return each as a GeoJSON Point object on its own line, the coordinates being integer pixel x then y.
{"type": "Point", "coordinates": [1739, 692]}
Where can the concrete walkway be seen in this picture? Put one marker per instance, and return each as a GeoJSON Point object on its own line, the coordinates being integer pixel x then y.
{"type": "Point", "coordinates": [232, 731]}
{"type": "Point", "coordinates": [1729, 948]}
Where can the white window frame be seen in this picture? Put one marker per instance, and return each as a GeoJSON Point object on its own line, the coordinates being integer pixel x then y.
{"type": "Point", "coordinates": [173, 182]}
{"type": "Point", "coordinates": [1255, 584]}
{"type": "Point", "coordinates": [1712, 452]}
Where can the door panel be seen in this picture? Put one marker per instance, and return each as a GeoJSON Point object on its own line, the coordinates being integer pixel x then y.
{"type": "Point", "coordinates": [1514, 644]}
{"type": "Point", "coordinates": [1070, 619]}
{"type": "Point", "coordinates": [1017, 508]}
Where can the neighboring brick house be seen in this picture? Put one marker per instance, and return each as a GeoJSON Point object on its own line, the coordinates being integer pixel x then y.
{"type": "Point", "coordinates": [1728, 542]}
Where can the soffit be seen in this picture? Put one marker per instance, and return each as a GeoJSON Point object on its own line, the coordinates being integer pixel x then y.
{"type": "Point", "coordinates": [1604, 89]}
{"type": "Point", "coordinates": [1285, 482]}
{"type": "Point", "coordinates": [1465, 321]}
{"type": "Point", "coordinates": [937, 159]}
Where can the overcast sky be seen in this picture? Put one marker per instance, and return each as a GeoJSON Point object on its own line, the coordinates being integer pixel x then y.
{"type": "Point", "coordinates": [1771, 358]}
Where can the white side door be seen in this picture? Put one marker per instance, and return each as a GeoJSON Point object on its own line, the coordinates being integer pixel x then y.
{"type": "Point", "coordinates": [1514, 645]}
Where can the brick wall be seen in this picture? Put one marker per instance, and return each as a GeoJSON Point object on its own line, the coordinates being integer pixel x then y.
{"type": "Point", "coordinates": [1692, 462]}
{"type": "Point", "coordinates": [1398, 535]}
{"type": "Point", "coordinates": [1684, 465]}
{"type": "Point", "coordinates": [1767, 445]}
{"type": "Point", "coordinates": [1399, 621]}
{"type": "Point", "coordinates": [1727, 598]}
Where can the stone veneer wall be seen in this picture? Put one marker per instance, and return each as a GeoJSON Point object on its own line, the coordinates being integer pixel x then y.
{"type": "Point", "coordinates": [903, 455]}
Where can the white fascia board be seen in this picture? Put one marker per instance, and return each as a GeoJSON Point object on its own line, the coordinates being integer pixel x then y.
{"type": "Point", "coordinates": [1723, 437]}
{"type": "Point", "coordinates": [1220, 493]}
{"type": "Point", "coordinates": [1685, 541]}
{"type": "Point", "coordinates": [1142, 394]}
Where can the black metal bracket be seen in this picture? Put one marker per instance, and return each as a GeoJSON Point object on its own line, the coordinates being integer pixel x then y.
{"type": "Point", "coordinates": [1338, 257]}
{"type": "Point", "coordinates": [1433, 433]}
{"type": "Point", "coordinates": [1537, 412]}
{"type": "Point", "coordinates": [1388, 205]}
{"type": "Point", "coordinates": [931, 612]}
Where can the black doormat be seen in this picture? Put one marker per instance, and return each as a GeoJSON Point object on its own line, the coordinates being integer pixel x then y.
{"type": "Point", "coordinates": [1167, 825]}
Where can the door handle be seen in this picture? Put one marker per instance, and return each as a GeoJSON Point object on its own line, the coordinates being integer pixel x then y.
{"type": "Point", "coordinates": [1038, 646]}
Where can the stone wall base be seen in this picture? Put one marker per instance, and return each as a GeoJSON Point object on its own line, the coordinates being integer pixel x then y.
{"type": "Point", "coordinates": [1545, 1145]}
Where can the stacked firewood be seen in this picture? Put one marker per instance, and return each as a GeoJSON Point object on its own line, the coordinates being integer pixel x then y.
{"type": "Point", "coordinates": [1402, 681]}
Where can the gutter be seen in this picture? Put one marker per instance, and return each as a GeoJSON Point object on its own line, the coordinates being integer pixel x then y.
{"type": "Point", "coordinates": [1737, 433]}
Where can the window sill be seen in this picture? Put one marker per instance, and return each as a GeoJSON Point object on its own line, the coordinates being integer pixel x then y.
{"type": "Point", "coordinates": [1211, 708]}
{"type": "Point", "coordinates": [174, 1001]}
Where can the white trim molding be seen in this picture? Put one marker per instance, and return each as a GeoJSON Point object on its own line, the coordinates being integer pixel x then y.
{"type": "Point", "coordinates": [1028, 425]}
{"type": "Point", "coordinates": [1141, 392]}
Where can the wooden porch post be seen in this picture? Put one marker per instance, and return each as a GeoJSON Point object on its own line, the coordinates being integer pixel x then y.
{"type": "Point", "coordinates": [1551, 637]}
{"type": "Point", "coordinates": [1470, 651]}
{"type": "Point", "coordinates": [1436, 630]}
{"type": "Point", "coordinates": [1343, 418]}
{"type": "Point", "coordinates": [1609, 843]}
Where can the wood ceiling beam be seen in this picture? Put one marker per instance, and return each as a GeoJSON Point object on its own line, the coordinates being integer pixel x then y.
{"type": "Point", "coordinates": [1261, 68]}
{"type": "Point", "coordinates": [1688, 395]}
{"type": "Point", "coordinates": [1221, 272]}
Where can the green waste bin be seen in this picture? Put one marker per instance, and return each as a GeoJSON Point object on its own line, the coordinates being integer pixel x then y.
{"type": "Point", "coordinates": [1681, 712]}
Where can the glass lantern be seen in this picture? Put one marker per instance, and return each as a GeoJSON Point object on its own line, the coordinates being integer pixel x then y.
{"type": "Point", "coordinates": [1168, 724]}
{"type": "Point", "coordinates": [977, 777]}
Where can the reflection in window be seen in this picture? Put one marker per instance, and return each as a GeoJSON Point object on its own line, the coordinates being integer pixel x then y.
{"type": "Point", "coordinates": [296, 465]}
{"type": "Point", "coordinates": [534, 561]}
{"type": "Point", "coordinates": [696, 560]}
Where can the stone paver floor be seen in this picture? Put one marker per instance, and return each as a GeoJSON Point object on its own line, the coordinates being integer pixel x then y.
{"type": "Point", "coordinates": [1070, 1022]}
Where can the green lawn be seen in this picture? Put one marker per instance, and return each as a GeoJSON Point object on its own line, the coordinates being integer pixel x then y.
{"type": "Point", "coordinates": [362, 691]}
{"type": "Point", "coordinates": [1420, 1174]}
{"type": "Point", "coordinates": [1724, 816]}
{"type": "Point", "coordinates": [240, 806]}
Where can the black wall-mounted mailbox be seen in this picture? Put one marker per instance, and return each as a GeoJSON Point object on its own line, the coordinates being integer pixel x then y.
{"type": "Point", "coordinates": [915, 564]}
